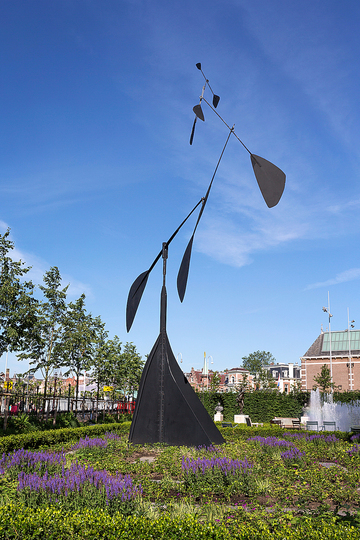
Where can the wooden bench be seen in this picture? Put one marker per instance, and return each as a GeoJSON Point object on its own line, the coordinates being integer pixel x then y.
{"type": "Point", "coordinates": [286, 423]}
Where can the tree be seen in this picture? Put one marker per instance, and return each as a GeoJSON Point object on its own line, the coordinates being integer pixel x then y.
{"type": "Point", "coordinates": [117, 368]}
{"type": "Point", "coordinates": [18, 307]}
{"type": "Point", "coordinates": [215, 381]}
{"type": "Point", "coordinates": [75, 350]}
{"type": "Point", "coordinates": [323, 379]}
{"type": "Point", "coordinates": [256, 361]}
{"type": "Point", "coordinates": [51, 313]}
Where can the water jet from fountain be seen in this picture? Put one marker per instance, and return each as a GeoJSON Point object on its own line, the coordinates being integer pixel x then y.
{"type": "Point", "coordinates": [344, 414]}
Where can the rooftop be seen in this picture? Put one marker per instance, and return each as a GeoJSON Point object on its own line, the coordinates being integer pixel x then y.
{"type": "Point", "coordinates": [339, 344]}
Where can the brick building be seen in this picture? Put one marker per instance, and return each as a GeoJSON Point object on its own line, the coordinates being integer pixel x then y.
{"type": "Point", "coordinates": [230, 379]}
{"type": "Point", "coordinates": [345, 359]}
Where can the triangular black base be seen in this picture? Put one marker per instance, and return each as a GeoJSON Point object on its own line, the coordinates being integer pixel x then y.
{"type": "Point", "coordinates": [167, 408]}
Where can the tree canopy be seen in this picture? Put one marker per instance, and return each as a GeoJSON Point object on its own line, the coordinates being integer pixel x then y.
{"type": "Point", "coordinates": [18, 307]}
{"type": "Point", "coordinates": [51, 333]}
{"type": "Point", "coordinates": [256, 361]}
{"type": "Point", "coordinates": [323, 379]}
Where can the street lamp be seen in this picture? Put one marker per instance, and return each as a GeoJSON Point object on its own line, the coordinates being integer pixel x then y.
{"type": "Point", "coordinates": [177, 358]}
{"type": "Point", "coordinates": [206, 368]}
{"type": "Point", "coordinates": [327, 310]}
{"type": "Point", "coordinates": [350, 325]}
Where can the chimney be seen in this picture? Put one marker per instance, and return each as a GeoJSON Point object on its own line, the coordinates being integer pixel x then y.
{"type": "Point", "coordinates": [291, 370]}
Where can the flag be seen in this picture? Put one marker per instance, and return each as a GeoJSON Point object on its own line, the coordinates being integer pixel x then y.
{"type": "Point", "coordinates": [278, 383]}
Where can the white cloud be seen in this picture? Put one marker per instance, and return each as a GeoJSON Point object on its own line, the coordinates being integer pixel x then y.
{"type": "Point", "coordinates": [347, 275]}
{"type": "Point", "coordinates": [39, 266]}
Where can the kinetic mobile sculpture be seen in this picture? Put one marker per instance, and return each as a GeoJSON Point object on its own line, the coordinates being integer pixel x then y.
{"type": "Point", "coordinates": [167, 408]}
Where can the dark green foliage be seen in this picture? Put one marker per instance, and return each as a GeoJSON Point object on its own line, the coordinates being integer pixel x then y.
{"type": "Point", "coordinates": [323, 379]}
{"type": "Point", "coordinates": [38, 439]}
{"type": "Point", "coordinates": [350, 396]}
{"type": "Point", "coordinates": [18, 308]}
{"type": "Point", "coordinates": [255, 361]}
{"type": "Point", "coordinates": [18, 522]}
{"type": "Point", "coordinates": [260, 405]}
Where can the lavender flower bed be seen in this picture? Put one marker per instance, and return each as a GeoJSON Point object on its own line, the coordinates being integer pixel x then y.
{"type": "Point", "coordinates": [31, 461]}
{"type": "Point", "coordinates": [224, 465]}
{"type": "Point", "coordinates": [77, 487]}
{"type": "Point", "coordinates": [95, 442]}
{"type": "Point", "coordinates": [270, 441]}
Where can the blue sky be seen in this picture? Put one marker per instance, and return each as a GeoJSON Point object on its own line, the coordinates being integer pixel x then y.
{"type": "Point", "coordinates": [97, 171]}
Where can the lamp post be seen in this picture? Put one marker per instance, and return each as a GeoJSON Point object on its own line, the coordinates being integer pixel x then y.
{"type": "Point", "coordinates": [327, 310]}
{"type": "Point", "coordinates": [350, 325]}
{"type": "Point", "coordinates": [206, 368]}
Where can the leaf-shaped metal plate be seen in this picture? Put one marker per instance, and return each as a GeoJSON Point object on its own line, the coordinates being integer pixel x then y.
{"type": "Point", "coordinates": [216, 100]}
{"type": "Point", "coordinates": [270, 178]}
{"type": "Point", "coordinates": [199, 113]}
{"type": "Point", "coordinates": [184, 270]}
{"type": "Point", "coordinates": [135, 294]}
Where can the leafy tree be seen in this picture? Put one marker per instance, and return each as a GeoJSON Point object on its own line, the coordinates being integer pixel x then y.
{"type": "Point", "coordinates": [323, 379]}
{"type": "Point", "coordinates": [100, 358]}
{"type": "Point", "coordinates": [215, 382]}
{"type": "Point", "coordinates": [256, 361]}
{"type": "Point", "coordinates": [118, 368]}
{"type": "Point", "coordinates": [18, 307]}
{"type": "Point", "coordinates": [51, 313]}
{"type": "Point", "coordinates": [75, 350]}
{"type": "Point", "coordinates": [133, 366]}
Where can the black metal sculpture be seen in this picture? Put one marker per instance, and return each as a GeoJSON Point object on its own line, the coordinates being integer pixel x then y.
{"type": "Point", "coordinates": [167, 408]}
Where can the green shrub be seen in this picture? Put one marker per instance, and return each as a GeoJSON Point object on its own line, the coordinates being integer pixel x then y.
{"type": "Point", "coordinates": [39, 439]}
{"type": "Point", "coordinates": [260, 405]}
{"type": "Point", "coordinates": [17, 522]}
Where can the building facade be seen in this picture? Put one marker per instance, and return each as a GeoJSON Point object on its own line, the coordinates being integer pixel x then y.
{"type": "Point", "coordinates": [340, 352]}
{"type": "Point", "coordinates": [286, 376]}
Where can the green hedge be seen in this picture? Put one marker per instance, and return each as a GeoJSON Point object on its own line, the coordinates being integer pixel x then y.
{"type": "Point", "coordinates": [17, 522]}
{"type": "Point", "coordinates": [37, 439]}
{"type": "Point", "coordinates": [260, 405]}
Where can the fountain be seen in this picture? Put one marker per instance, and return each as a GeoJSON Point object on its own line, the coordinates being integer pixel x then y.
{"type": "Point", "coordinates": [344, 414]}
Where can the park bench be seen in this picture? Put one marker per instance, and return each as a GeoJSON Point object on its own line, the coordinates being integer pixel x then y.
{"type": "Point", "coordinates": [286, 423]}
{"type": "Point", "coordinates": [249, 423]}
{"type": "Point", "coordinates": [328, 426]}
{"type": "Point", "coordinates": [312, 425]}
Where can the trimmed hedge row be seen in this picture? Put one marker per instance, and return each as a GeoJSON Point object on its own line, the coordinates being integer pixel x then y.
{"type": "Point", "coordinates": [260, 405]}
{"type": "Point", "coordinates": [36, 439]}
{"type": "Point", "coordinates": [241, 431]}
{"type": "Point", "coordinates": [18, 522]}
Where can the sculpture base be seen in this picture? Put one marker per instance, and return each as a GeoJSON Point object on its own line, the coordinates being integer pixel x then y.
{"type": "Point", "coordinates": [240, 418]}
{"type": "Point", "coordinates": [167, 408]}
{"type": "Point", "coordinates": [218, 417]}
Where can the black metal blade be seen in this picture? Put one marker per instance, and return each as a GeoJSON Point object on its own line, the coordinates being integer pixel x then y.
{"type": "Point", "coordinates": [216, 100]}
{"type": "Point", "coordinates": [193, 131]}
{"type": "Point", "coordinates": [199, 113]}
{"type": "Point", "coordinates": [135, 294]}
{"type": "Point", "coordinates": [184, 270]}
{"type": "Point", "coordinates": [270, 178]}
